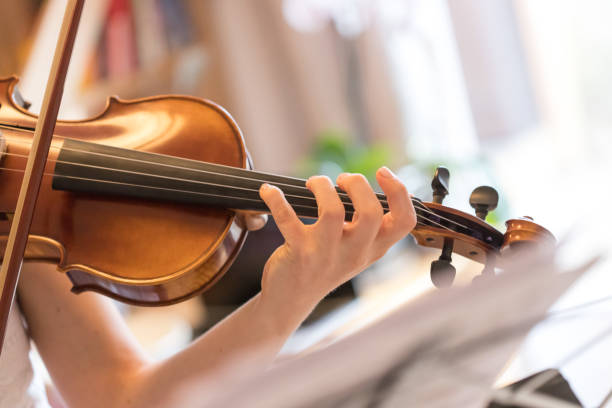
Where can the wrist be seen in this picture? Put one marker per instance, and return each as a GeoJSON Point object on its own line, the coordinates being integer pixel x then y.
{"type": "Point", "coordinates": [286, 311]}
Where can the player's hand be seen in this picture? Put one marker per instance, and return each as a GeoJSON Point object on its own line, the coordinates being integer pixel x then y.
{"type": "Point", "coordinates": [317, 258]}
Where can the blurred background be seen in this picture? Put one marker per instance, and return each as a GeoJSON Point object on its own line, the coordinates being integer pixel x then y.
{"type": "Point", "coordinates": [515, 94]}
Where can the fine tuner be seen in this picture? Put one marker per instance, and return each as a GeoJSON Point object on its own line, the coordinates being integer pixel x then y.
{"type": "Point", "coordinates": [483, 200]}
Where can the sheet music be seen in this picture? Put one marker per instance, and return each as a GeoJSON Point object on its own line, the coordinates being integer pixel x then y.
{"type": "Point", "coordinates": [442, 350]}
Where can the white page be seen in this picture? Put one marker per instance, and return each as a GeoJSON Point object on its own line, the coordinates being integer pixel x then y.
{"type": "Point", "coordinates": [449, 346]}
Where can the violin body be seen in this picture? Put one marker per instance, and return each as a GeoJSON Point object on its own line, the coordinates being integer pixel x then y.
{"type": "Point", "coordinates": [136, 202]}
{"type": "Point", "coordinates": [97, 240]}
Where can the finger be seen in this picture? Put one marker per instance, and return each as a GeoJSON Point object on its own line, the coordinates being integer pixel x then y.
{"type": "Point", "coordinates": [368, 210]}
{"type": "Point", "coordinates": [287, 221]}
{"type": "Point", "coordinates": [401, 218]}
{"type": "Point", "coordinates": [251, 220]}
{"type": "Point", "coordinates": [331, 209]}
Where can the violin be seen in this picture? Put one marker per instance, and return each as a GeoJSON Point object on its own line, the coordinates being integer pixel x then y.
{"type": "Point", "coordinates": [139, 202]}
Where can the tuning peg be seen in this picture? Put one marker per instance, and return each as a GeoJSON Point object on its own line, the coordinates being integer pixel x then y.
{"type": "Point", "coordinates": [442, 272]}
{"type": "Point", "coordinates": [487, 271]}
{"type": "Point", "coordinates": [484, 199]}
{"type": "Point", "coordinates": [439, 184]}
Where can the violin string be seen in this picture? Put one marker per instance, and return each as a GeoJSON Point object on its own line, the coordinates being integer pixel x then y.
{"type": "Point", "coordinates": [195, 192]}
{"type": "Point", "coordinates": [381, 197]}
{"type": "Point", "coordinates": [416, 202]}
{"type": "Point", "coordinates": [179, 179]}
{"type": "Point", "coordinates": [421, 206]}
{"type": "Point", "coordinates": [342, 195]}
{"type": "Point", "coordinates": [205, 183]}
{"type": "Point", "coordinates": [420, 218]}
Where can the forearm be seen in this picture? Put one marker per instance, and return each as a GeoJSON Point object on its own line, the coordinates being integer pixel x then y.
{"type": "Point", "coordinates": [261, 326]}
{"type": "Point", "coordinates": [94, 360]}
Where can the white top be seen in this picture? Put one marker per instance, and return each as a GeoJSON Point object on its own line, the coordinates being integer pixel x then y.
{"type": "Point", "coordinates": [19, 387]}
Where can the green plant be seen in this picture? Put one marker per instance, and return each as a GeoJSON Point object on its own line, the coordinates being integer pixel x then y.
{"type": "Point", "coordinates": [333, 153]}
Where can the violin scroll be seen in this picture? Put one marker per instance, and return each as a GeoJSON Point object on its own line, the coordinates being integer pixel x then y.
{"type": "Point", "coordinates": [523, 231]}
{"type": "Point", "coordinates": [456, 232]}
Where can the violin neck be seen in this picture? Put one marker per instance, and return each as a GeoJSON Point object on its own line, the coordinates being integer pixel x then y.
{"type": "Point", "coordinates": [93, 168]}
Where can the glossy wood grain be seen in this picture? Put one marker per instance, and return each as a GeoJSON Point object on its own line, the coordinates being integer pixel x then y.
{"type": "Point", "coordinates": [524, 230]}
{"type": "Point", "coordinates": [479, 249]}
{"type": "Point", "coordinates": [138, 252]}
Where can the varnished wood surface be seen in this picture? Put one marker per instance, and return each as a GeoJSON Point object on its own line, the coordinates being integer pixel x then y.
{"type": "Point", "coordinates": [478, 250]}
{"type": "Point", "coordinates": [139, 252]}
{"type": "Point", "coordinates": [473, 249]}
{"type": "Point", "coordinates": [524, 230]}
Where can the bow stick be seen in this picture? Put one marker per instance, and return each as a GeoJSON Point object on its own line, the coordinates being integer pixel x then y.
{"type": "Point", "coordinates": [30, 186]}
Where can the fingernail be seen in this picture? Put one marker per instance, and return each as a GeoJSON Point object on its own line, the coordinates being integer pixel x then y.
{"type": "Point", "coordinates": [264, 187]}
{"type": "Point", "coordinates": [385, 172]}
